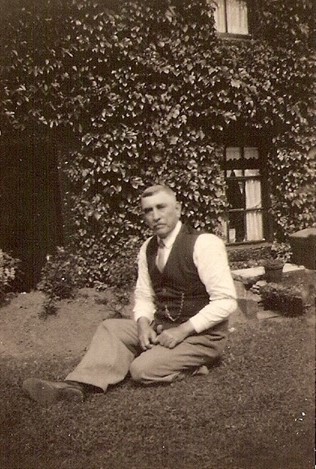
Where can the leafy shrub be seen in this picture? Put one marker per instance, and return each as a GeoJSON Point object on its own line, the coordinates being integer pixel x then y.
{"type": "Point", "coordinates": [61, 276]}
{"type": "Point", "coordinates": [65, 272]}
{"type": "Point", "coordinates": [118, 274]}
{"type": "Point", "coordinates": [110, 265]}
{"type": "Point", "coordinates": [288, 300]}
{"type": "Point", "coordinates": [8, 271]}
{"type": "Point", "coordinates": [245, 257]}
{"type": "Point", "coordinates": [49, 307]}
{"type": "Point", "coordinates": [281, 251]}
{"type": "Point", "coordinates": [252, 256]}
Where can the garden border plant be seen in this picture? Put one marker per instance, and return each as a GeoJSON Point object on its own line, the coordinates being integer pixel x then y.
{"type": "Point", "coordinates": [9, 269]}
{"type": "Point", "coordinates": [132, 92]}
{"type": "Point", "coordinates": [61, 277]}
{"type": "Point", "coordinates": [288, 300]}
{"type": "Point", "coordinates": [65, 273]}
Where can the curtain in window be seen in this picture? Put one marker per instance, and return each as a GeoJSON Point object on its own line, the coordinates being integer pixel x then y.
{"type": "Point", "coordinates": [233, 153]}
{"type": "Point", "coordinates": [219, 16]}
{"type": "Point", "coordinates": [251, 153]}
{"type": "Point", "coordinates": [253, 219]}
{"type": "Point", "coordinates": [237, 20]}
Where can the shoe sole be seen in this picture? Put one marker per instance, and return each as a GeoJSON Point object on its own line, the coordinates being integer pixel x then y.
{"type": "Point", "coordinates": [45, 393]}
{"type": "Point", "coordinates": [203, 370]}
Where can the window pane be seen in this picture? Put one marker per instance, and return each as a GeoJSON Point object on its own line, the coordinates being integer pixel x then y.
{"type": "Point", "coordinates": [254, 226]}
{"type": "Point", "coordinates": [237, 173]}
{"type": "Point", "coordinates": [235, 192]}
{"type": "Point", "coordinates": [237, 226]}
{"type": "Point", "coordinates": [236, 199]}
{"type": "Point", "coordinates": [237, 18]}
{"type": "Point", "coordinates": [233, 153]}
{"type": "Point", "coordinates": [219, 16]}
{"type": "Point", "coordinates": [253, 194]}
{"type": "Point", "coordinates": [243, 179]}
{"type": "Point", "coordinates": [251, 153]}
{"type": "Point", "coordinates": [254, 219]}
{"type": "Point", "coordinates": [252, 172]}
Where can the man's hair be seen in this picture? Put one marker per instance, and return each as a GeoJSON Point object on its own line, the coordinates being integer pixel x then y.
{"type": "Point", "coordinates": [157, 188]}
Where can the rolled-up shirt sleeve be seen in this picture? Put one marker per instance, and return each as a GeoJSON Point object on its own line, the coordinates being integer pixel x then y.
{"type": "Point", "coordinates": [210, 258]}
{"type": "Point", "coordinates": [143, 295]}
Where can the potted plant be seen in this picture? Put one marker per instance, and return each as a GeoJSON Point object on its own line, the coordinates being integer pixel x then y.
{"type": "Point", "coordinates": [273, 266]}
{"type": "Point", "coordinates": [273, 269]}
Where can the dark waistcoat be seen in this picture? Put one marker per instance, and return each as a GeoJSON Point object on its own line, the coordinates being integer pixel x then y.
{"type": "Point", "coordinates": [179, 292]}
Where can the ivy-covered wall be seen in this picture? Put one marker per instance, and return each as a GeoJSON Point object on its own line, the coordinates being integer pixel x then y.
{"type": "Point", "coordinates": [136, 92]}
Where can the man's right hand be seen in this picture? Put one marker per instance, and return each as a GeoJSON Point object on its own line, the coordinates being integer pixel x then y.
{"type": "Point", "coordinates": [146, 335]}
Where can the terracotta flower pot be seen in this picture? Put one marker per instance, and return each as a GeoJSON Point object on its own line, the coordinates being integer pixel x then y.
{"type": "Point", "coordinates": [273, 271]}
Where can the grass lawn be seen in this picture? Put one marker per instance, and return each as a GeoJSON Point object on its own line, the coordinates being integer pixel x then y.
{"type": "Point", "coordinates": [256, 410]}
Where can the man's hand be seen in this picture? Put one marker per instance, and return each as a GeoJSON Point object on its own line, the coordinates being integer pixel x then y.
{"type": "Point", "coordinates": [175, 335]}
{"type": "Point", "coordinates": [146, 335]}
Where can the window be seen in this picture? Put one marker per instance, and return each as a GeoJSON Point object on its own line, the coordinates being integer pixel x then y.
{"type": "Point", "coordinates": [231, 16]}
{"type": "Point", "coordinates": [245, 218]}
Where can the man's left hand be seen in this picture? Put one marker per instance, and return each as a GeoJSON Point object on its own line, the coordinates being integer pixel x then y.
{"type": "Point", "coordinates": [170, 338]}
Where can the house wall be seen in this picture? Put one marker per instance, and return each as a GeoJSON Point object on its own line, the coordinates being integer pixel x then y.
{"type": "Point", "coordinates": [149, 92]}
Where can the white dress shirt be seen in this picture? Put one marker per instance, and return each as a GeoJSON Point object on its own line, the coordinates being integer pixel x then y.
{"type": "Point", "coordinates": [210, 259]}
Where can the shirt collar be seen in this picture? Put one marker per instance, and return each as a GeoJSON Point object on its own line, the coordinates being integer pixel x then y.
{"type": "Point", "coordinates": [170, 239]}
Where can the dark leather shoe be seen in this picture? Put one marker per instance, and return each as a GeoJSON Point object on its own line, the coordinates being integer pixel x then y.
{"type": "Point", "coordinates": [47, 392]}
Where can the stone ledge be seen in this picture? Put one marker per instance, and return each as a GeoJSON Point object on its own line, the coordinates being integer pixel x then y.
{"type": "Point", "coordinates": [253, 274]}
{"type": "Point", "coordinates": [248, 300]}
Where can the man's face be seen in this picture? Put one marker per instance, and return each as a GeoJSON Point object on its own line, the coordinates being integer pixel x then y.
{"type": "Point", "coordinates": [161, 212]}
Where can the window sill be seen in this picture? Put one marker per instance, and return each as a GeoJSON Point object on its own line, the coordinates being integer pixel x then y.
{"type": "Point", "coordinates": [234, 37]}
{"type": "Point", "coordinates": [247, 245]}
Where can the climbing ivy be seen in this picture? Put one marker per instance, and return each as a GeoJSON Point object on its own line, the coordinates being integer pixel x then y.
{"type": "Point", "coordinates": [136, 92]}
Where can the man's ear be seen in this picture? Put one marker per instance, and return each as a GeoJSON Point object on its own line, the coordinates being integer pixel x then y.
{"type": "Point", "coordinates": [178, 207]}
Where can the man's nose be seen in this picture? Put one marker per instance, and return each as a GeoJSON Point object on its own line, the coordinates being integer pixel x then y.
{"type": "Point", "coordinates": [156, 214]}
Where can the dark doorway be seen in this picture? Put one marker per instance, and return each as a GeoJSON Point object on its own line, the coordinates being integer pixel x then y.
{"type": "Point", "coordinates": [30, 207]}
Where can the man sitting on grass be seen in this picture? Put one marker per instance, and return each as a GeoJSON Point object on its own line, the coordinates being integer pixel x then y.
{"type": "Point", "coordinates": [183, 297]}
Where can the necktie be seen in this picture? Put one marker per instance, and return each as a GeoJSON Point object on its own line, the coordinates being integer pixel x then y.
{"type": "Point", "coordinates": [160, 259]}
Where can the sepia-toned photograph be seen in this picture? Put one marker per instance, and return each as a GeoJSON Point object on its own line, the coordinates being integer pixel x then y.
{"type": "Point", "coordinates": [157, 234]}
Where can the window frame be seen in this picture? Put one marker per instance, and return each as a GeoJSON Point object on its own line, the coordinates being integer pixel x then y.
{"type": "Point", "coordinates": [244, 164]}
{"type": "Point", "coordinates": [229, 35]}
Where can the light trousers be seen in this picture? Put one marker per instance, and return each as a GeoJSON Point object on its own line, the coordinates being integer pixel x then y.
{"type": "Point", "coordinates": [114, 352]}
